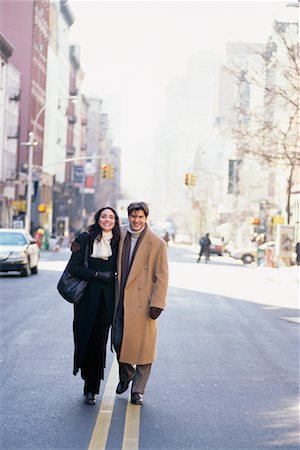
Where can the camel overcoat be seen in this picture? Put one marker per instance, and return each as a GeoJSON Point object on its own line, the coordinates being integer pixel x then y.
{"type": "Point", "coordinates": [146, 286]}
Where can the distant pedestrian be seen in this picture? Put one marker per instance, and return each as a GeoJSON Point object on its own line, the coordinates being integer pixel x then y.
{"type": "Point", "coordinates": [298, 253]}
{"type": "Point", "coordinates": [166, 237]}
{"type": "Point", "coordinates": [205, 244]}
{"type": "Point", "coordinates": [38, 236]}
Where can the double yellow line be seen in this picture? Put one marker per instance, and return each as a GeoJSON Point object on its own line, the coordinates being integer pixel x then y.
{"type": "Point", "coordinates": [102, 426]}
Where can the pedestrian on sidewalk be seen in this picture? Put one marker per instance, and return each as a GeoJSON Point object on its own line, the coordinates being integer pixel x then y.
{"type": "Point", "coordinates": [166, 237]}
{"type": "Point", "coordinates": [140, 298]}
{"type": "Point", "coordinates": [93, 315]}
{"type": "Point", "coordinates": [205, 244]}
{"type": "Point", "coordinates": [298, 253]}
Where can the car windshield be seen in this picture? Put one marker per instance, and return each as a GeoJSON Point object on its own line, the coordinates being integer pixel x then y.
{"type": "Point", "coordinates": [7, 238]}
{"type": "Point", "coordinates": [216, 241]}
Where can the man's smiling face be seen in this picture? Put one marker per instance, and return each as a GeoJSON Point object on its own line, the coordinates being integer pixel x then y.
{"type": "Point", "coordinates": [137, 220]}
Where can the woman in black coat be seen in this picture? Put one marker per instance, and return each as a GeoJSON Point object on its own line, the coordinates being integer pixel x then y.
{"type": "Point", "coordinates": [93, 315]}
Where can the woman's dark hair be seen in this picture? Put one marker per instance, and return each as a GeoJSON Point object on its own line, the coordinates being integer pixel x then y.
{"type": "Point", "coordinates": [95, 229]}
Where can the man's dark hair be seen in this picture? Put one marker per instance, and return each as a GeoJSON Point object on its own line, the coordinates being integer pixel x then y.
{"type": "Point", "coordinates": [138, 206]}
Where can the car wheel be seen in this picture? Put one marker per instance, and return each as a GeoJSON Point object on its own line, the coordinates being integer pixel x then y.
{"type": "Point", "coordinates": [34, 270]}
{"type": "Point", "coordinates": [26, 272]}
{"type": "Point", "coordinates": [247, 259]}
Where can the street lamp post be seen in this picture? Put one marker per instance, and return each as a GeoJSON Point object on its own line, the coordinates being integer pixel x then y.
{"type": "Point", "coordinates": [31, 144]}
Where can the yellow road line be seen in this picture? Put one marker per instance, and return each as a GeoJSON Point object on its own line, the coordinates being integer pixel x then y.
{"type": "Point", "coordinates": [101, 429]}
{"type": "Point", "coordinates": [131, 427]}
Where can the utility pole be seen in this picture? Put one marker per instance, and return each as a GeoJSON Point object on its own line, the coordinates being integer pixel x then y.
{"type": "Point", "coordinates": [30, 144]}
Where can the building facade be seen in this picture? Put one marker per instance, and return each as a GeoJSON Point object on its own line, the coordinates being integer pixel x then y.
{"type": "Point", "coordinates": [26, 27]}
{"type": "Point", "coordinates": [9, 133]}
{"type": "Point", "coordinates": [57, 111]}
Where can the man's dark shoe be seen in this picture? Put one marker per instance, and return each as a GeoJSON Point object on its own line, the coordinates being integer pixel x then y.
{"type": "Point", "coordinates": [90, 398]}
{"type": "Point", "coordinates": [122, 387]}
{"type": "Point", "coordinates": [137, 399]}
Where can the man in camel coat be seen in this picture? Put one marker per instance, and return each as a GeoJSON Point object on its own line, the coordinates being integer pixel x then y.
{"type": "Point", "coordinates": [140, 298]}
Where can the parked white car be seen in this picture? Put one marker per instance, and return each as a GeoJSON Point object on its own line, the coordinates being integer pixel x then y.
{"type": "Point", "coordinates": [19, 252]}
{"type": "Point", "coordinates": [249, 254]}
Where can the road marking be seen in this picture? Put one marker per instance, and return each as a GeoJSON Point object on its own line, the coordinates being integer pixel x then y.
{"type": "Point", "coordinates": [291, 319]}
{"type": "Point", "coordinates": [102, 425]}
{"type": "Point", "coordinates": [101, 429]}
{"type": "Point", "coordinates": [131, 427]}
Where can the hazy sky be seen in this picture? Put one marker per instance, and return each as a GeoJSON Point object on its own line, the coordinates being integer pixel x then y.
{"type": "Point", "coordinates": [131, 50]}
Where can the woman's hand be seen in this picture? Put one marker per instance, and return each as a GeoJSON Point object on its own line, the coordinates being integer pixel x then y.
{"type": "Point", "coordinates": [106, 277]}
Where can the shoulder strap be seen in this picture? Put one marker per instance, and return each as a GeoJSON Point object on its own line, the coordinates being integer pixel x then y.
{"type": "Point", "coordinates": [85, 262]}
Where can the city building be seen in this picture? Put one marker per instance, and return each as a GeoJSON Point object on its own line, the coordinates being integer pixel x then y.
{"type": "Point", "coordinates": [186, 125]}
{"type": "Point", "coordinates": [69, 194]}
{"type": "Point", "coordinates": [246, 179]}
{"type": "Point", "coordinates": [26, 28]}
{"type": "Point", "coordinates": [9, 133]}
{"type": "Point", "coordinates": [67, 133]}
{"type": "Point", "coordinates": [103, 166]}
{"type": "Point", "coordinates": [257, 116]}
{"type": "Point", "coordinates": [283, 113]}
{"type": "Point", "coordinates": [58, 111]}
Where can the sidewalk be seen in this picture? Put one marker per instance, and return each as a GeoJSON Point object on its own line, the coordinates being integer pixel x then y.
{"type": "Point", "coordinates": [281, 274]}
{"type": "Point", "coordinates": [62, 255]}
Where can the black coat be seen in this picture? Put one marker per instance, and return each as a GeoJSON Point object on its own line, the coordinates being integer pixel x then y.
{"type": "Point", "coordinates": [96, 292]}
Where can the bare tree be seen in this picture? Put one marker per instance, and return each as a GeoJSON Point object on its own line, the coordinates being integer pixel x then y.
{"type": "Point", "coordinates": [269, 129]}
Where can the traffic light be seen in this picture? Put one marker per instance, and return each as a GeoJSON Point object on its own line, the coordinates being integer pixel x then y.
{"type": "Point", "coordinates": [42, 208]}
{"type": "Point", "coordinates": [255, 221]}
{"type": "Point", "coordinates": [190, 179]}
{"type": "Point", "coordinates": [111, 171]}
{"type": "Point", "coordinates": [277, 220]}
{"type": "Point", "coordinates": [193, 180]}
{"type": "Point", "coordinates": [187, 179]}
{"type": "Point", "coordinates": [104, 170]}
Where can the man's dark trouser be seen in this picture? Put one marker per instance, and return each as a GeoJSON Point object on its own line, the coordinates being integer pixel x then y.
{"type": "Point", "coordinates": [140, 375]}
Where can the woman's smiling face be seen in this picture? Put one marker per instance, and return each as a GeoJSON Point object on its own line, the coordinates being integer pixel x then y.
{"type": "Point", "coordinates": [107, 220]}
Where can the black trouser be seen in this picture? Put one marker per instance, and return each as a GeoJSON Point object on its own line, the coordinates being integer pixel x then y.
{"type": "Point", "coordinates": [204, 251]}
{"type": "Point", "coordinates": [139, 374]}
{"type": "Point", "coordinates": [92, 366]}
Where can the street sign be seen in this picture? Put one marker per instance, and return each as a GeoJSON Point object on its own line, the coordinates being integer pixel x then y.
{"type": "Point", "coordinates": [90, 168]}
{"type": "Point", "coordinates": [78, 174]}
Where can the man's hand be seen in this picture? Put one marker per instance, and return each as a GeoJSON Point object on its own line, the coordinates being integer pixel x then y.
{"type": "Point", "coordinates": [75, 246]}
{"type": "Point", "coordinates": [154, 312]}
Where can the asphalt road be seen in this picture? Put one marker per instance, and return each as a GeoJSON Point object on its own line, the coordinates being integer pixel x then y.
{"type": "Point", "coordinates": [226, 376]}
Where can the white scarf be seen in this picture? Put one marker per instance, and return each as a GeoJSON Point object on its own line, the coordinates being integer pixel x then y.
{"type": "Point", "coordinates": [135, 234]}
{"type": "Point", "coordinates": [102, 247]}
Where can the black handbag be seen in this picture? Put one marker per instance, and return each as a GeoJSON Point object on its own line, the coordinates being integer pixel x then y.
{"type": "Point", "coordinates": [70, 287]}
